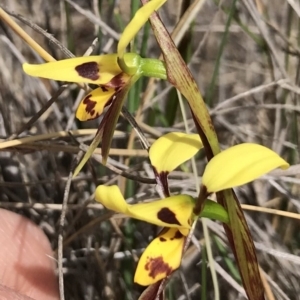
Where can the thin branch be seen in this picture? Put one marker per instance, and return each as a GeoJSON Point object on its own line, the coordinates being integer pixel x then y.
{"type": "Point", "coordinates": [61, 227]}
{"type": "Point", "coordinates": [21, 33]}
{"type": "Point", "coordinates": [40, 30]}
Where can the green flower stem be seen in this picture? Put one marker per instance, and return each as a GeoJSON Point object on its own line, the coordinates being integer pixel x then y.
{"type": "Point", "coordinates": [151, 67]}
{"type": "Point", "coordinates": [129, 63]}
{"type": "Point", "coordinates": [213, 210]}
{"type": "Point", "coordinates": [132, 63]}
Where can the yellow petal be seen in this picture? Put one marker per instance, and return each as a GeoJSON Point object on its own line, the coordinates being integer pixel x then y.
{"type": "Point", "coordinates": [91, 69]}
{"type": "Point", "coordinates": [239, 165]}
{"type": "Point", "coordinates": [91, 107]}
{"type": "Point", "coordinates": [139, 19]}
{"type": "Point", "coordinates": [172, 149]}
{"type": "Point", "coordinates": [172, 212]}
{"type": "Point", "coordinates": [111, 197]}
{"type": "Point", "coordinates": [161, 257]}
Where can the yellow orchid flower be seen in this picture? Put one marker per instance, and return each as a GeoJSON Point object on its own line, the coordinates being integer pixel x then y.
{"type": "Point", "coordinates": [114, 73]}
{"type": "Point", "coordinates": [238, 165]}
{"type": "Point", "coordinates": [235, 166]}
{"type": "Point", "coordinates": [161, 257]}
{"type": "Point", "coordinates": [102, 70]}
{"type": "Point", "coordinates": [111, 71]}
{"type": "Point", "coordinates": [174, 212]}
{"type": "Point", "coordinates": [163, 254]}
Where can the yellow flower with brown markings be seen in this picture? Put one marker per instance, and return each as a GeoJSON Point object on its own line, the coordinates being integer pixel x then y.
{"type": "Point", "coordinates": [114, 73]}
{"type": "Point", "coordinates": [102, 70]}
{"type": "Point", "coordinates": [111, 72]}
{"type": "Point", "coordinates": [163, 254]}
{"type": "Point", "coordinates": [173, 212]}
{"type": "Point", "coordinates": [235, 166]}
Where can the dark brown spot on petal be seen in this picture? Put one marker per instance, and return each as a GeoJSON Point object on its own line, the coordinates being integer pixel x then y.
{"type": "Point", "coordinates": [177, 235]}
{"type": "Point", "coordinates": [157, 266]}
{"type": "Point", "coordinates": [89, 105]}
{"type": "Point", "coordinates": [162, 239]}
{"type": "Point", "coordinates": [118, 81]}
{"type": "Point", "coordinates": [88, 70]}
{"type": "Point", "coordinates": [167, 216]}
{"type": "Point", "coordinates": [103, 88]}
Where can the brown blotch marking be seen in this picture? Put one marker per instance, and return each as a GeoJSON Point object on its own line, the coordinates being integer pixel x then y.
{"type": "Point", "coordinates": [89, 105]}
{"type": "Point", "coordinates": [167, 216]}
{"type": "Point", "coordinates": [178, 235]}
{"type": "Point", "coordinates": [103, 88]}
{"type": "Point", "coordinates": [157, 266]}
{"type": "Point", "coordinates": [201, 200]}
{"type": "Point", "coordinates": [162, 239]}
{"type": "Point", "coordinates": [163, 177]}
{"type": "Point", "coordinates": [88, 70]}
{"type": "Point", "coordinates": [110, 100]}
{"type": "Point", "coordinates": [117, 82]}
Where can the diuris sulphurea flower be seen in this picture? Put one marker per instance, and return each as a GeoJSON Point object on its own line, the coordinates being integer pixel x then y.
{"type": "Point", "coordinates": [235, 166]}
{"type": "Point", "coordinates": [114, 73]}
{"type": "Point", "coordinates": [174, 213]}
{"type": "Point", "coordinates": [163, 254]}
{"type": "Point", "coordinates": [102, 70]}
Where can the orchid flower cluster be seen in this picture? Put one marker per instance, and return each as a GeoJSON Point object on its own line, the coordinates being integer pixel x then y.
{"type": "Point", "coordinates": [115, 74]}
{"type": "Point", "coordinates": [233, 167]}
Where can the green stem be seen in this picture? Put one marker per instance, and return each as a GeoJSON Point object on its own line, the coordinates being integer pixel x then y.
{"type": "Point", "coordinates": [132, 63]}
{"type": "Point", "coordinates": [213, 210]}
{"type": "Point", "coordinates": [151, 67]}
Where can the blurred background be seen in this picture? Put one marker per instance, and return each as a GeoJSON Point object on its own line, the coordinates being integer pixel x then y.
{"type": "Point", "coordinates": [244, 56]}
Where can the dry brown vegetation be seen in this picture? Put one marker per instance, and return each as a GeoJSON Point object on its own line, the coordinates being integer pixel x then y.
{"type": "Point", "coordinates": [255, 99]}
